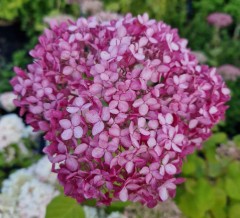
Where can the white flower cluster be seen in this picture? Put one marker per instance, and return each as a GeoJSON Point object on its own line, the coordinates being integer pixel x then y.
{"type": "Point", "coordinates": [6, 101]}
{"type": "Point", "coordinates": [92, 212]}
{"type": "Point", "coordinates": [12, 130]}
{"type": "Point", "coordinates": [30, 191]}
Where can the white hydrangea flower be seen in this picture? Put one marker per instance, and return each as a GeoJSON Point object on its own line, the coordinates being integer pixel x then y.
{"type": "Point", "coordinates": [12, 185]}
{"type": "Point", "coordinates": [11, 130]}
{"type": "Point", "coordinates": [90, 212]}
{"type": "Point", "coordinates": [116, 215]}
{"type": "Point", "coordinates": [42, 170]}
{"type": "Point", "coordinates": [7, 207]}
{"type": "Point", "coordinates": [6, 101]}
{"type": "Point", "coordinates": [34, 198]}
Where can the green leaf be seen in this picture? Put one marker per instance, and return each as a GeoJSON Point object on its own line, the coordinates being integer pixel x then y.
{"type": "Point", "coordinates": [117, 206]}
{"type": "Point", "coordinates": [236, 140]}
{"type": "Point", "coordinates": [215, 168]}
{"type": "Point", "coordinates": [233, 170]}
{"type": "Point", "coordinates": [64, 207]}
{"type": "Point", "coordinates": [233, 188]}
{"type": "Point", "coordinates": [219, 207]}
{"type": "Point", "coordinates": [217, 138]}
{"type": "Point", "coordinates": [234, 211]}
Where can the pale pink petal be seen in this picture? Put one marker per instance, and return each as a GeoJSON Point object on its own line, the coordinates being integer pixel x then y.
{"type": "Point", "coordinates": [161, 119]}
{"type": "Point", "coordinates": [139, 56]}
{"type": "Point", "coordinates": [78, 132]}
{"type": "Point", "coordinates": [95, 88]}
{"type": "Point", "coordinates": [176, 148]}
{"type": "Point", "coordinates": [72, 110]}
{"type": "Point", "coordinates": [99, 68]}
{"type": "Point", "coordinates": [193, 123]}
{"type": "Point", "coordinates": [105, 55]}
{"type": "Point", "coordinates": [141, 122]}
{"type": "Point", "coordinates": [165, 160]}
{"type": "Point", "coordinates": [151, 101]}
{"type": "Point", "coordinates": [129, 167]}
{"type": "Point", "coordinates": [144, 171]}
{"type": "Point", "coordinates": [143, 41]}
{"type": "Point", "coordinates": [146, 74]}
{"type": "Point", "coordinates": [97, 128]}
{"type": "Point", "coordinates": [143, 109]}
{"type": "Point", "coordinates": [153, 124]}
{"type": "Point", "coordinates": [170, 169]}
{"type": "Point", "coordinates": [67, 134]}
{"type": "Point", "coordinates": [148, 178]}
{"type": "Point", "coordinates": [123, 106]}
{"type": "Point", "coordinates": [97, 152]}
{"type": "Point", "coordinates": [92, 116]}
{"type": "Point", "coordinates": [79, 101]}
{"type": "Point", "coordinates": [105, 114]}
{"type": "Point", "coordinates": [138, 102]}
{"type": "Point", "coordinates": [76, 119]}
{"type": "Point", "coordinates": [178, 139]}
{"type": "Point", "coordinates": [67, 70]}
{"type": "Point", "coordinates": [123, 195]}
{"type": "Point", "coordinates": [113, 104]}
{"type": "Point", "coordinates": [151, 142]}
{"type": "Point", "coordinates": [114, 130]}
{"type": "Point", "coordinates": [65, 123]}
{"type": "Point", "coordinates": [169, 118]}
{"type": "Point", "coordinates": [163, 193]}
{"type": "Point", "coordinates": [81, 148]}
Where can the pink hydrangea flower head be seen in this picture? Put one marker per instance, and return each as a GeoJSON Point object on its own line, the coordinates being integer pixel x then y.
{"type": "Point", "coordinates": [122, 103]}
{"type": "Point", "coordinates": [219, 20]}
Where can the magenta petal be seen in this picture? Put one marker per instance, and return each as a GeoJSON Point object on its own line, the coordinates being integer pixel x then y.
{"type": "Point", "coordinates": [97, 152]}
{"type": "Point", "coordinates": [97, 128]}
{"type": "Point", "coordinates": [72, 164]}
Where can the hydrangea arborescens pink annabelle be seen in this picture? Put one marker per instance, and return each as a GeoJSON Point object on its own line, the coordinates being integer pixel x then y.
{"type": "Point", "coordinates": [122, 103]}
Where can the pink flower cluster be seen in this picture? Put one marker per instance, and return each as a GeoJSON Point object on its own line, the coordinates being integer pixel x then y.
{"type": "Point", "coordinates": [122, 103]}
{"type": "Point", "coordinates": [219, 20]}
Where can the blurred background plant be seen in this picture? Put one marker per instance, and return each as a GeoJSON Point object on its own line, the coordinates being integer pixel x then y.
{"type": "Point", "coordinates": [212, 175]}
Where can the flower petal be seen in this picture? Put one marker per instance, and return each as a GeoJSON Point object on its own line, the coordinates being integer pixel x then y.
{"type": "Point", "coordinates": [97, 128]}
{"type": "Point", "coordinates": [78, 132]}
{"type": "Point", "coordinates": [123, 195]}
{"type": "Point", "coordinates": [65, 123]}
{"type": "Point", "coordinates": [163, 193]}
{"type": "Point", "coordinates": [97, 152]}
{"type": "Point", "coordinates": [67, 134]}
